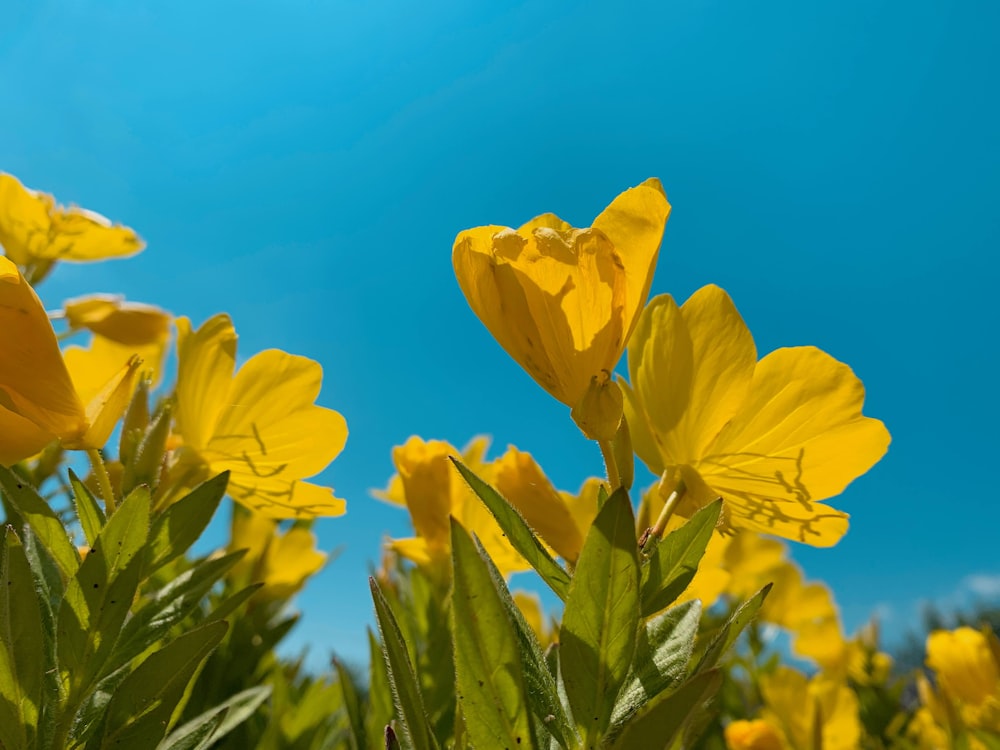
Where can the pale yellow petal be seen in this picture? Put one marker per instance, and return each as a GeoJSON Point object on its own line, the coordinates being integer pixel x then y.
{"type": "Point", "coordinates": [427, 476]}
{"type": "Point", "coordinates": [964, 664]}
{"type": "Point", "coordinates": [206, 360]}
{"type": "Point", "coordinates": [24, 220]}
{"type": "Point", "coordinates": [799, 438]}
{"type": "Point", "coordinates": [93, 367]}
{"type": "Point", "coordinates": [269, 421]}
{"type": "Point", "coordinates": [107, 407]}
{"type": "Point", "coordinates": [643, 441]}
{"type": "Point", "coordinates": [82, 235]}
{"type": "Point", "coordinates": [583, 506]}
{"type": "Point", "coordinates": [634, 222]}
{"type": "Point", "coordinates": [416, 550]}
{"type": "Point", "coordinates": [32, 372]}
{"type": "Point", "coordinates": [285, 500]}
{"type": "Point", "coordinates": [291, 559]}
{"type": "Point", "coordinates": [20, 438]}
{"type": "Point", "coordinates": [521, 480]}
{"type": "Point", "coordinates": [129, 323]}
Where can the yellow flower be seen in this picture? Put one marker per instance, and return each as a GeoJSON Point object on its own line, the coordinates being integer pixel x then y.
{"type": "Point", "coordinates": [261, 424]}
{"type": "Point", "coordinates": [753, 735]}
{"type": "Point", "coordinates": [772, 438]}
{"type": "Point", "coordinates": [803, 708]}
{"type": "Point", "coordinates": [33, 227]}
{"type": "Point", "coordinates": [282, 561]}
{"type": "Point", "coordinates": [965, 665]}
{"type": "Point", "coordinates": [120, 329]}
{"type": "Point", "coordinates": [563, 301]}
{"type": "Point", "coordinates": [38, 400]}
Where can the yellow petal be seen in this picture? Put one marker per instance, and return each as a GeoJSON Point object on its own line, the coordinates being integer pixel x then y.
{"type": "Point", "coordinates": [24, 220]}
{"type": "Point", "coordinates": [269, 424]}
{"type": "Point", "coordinates": [81, 235]}
{"type": "Point", "coordinates": [93, 367]}
{"type": "Point", "coordinates": [427, 477]}
{"type": "Point", "coordinates": [477, 519]}
{"type": "Point", "coordinates": [521, 480]}
{"type": "Point", "coordinates": [753, 735]}
{"type": "Point", "coordinates": [599, 413]}
{"type": "Point", "coordinates": [129, 323]}
{"type": "Point", "coordinates": [634, 223]}
{"type": "Point", "coordinates": [799, 438]}
{"type": "Point", "coordinates": [20, 438]}
{"type": "Point", "coordinates": [964, 664]}
{"type": "Point", "coordinates": [583, 506]}
{"type": "Point", "coordinates": [277, 500]}
{"type": "Point", "coordinates": [33, 376]}
{"type": "Point", "coordinates": [206, 359]}
{"type": "Point", "coordinates": [417, 551]}
{"type": "Point", "coordinates": [107, 407]}
{"type": "Point", "coordinates": [291, 559]}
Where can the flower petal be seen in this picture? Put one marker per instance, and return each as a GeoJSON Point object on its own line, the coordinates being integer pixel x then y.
{"type": "Point", "coordinates": [284, 500]}
{"type": "Point", "coordinates": [20, 438]}
{"type": "Point", "coordinates": [129, 323]}
{"type": "Point", "coordinates": [108, 405]}
{"type": "Point", "coordinates": [81, 235]}
{"type": "Point", "coordinates": [206, 359]}
{"type": "Point", "coordinates": [24, 220]}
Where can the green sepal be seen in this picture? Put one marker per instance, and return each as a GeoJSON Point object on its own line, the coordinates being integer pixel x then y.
{"type": "Point", "coordinates": [22, 649]}
{"type": "Point", "coordinates": [352, 706]}
{"type": "Point", "coordinates": [88, 510]}
{"type": "Point", "coordinates": [674, 561]}
{"type": "Point", "coordinates": [662, 655]}
{"type": "Point", "coordinates": [518, 533]}
{"type": "Point", "coordinates": [99, 596]}
{"type": "Point", "coordinates": [665, 717]}
{"type": "Point", "coordinates": [139, 714]}
{"type": "Point", "coordinates": [727, 636]}
{"type": "Point", "coordinates": [180, 525]}
{"type": "Point", "coordinates": [46, 525]}
{"type": "Point", "coordinates": [204, 730]}
{"type": "Point", "coordinates": [405, 688]}
{"type": "Point", "coordinates": [598, 634]}
{"type": "Point", "coordinates": [134, 423]}
{"type": "Point", "coordinates": [489, 678]}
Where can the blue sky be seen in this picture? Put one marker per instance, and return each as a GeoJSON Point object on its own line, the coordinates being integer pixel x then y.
{"type": "Point", "coordinates": [305, 167]}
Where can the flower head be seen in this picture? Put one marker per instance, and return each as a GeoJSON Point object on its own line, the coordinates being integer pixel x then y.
{"type": "Point", "coordinates": [261, 423]}
{"type": "Point", "coordinates": [773, 438]}
{"type": "Point", "coordinates": [563, 301]}
{"type": "Point", "coordinates": [965, 665]}
{"type": "Point", "coordinates": [39, 402]}
{"type": "Point", "coordinates": [34, 228]}
{"type": "Point", "coordinates": [753, 735]}
{"type": "Point", "coordinates": [806, 707]}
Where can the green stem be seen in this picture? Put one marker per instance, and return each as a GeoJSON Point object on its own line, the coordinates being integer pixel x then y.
{"type": "Point", "coordinates": [607, 451]}
{"type": "Point", "coordinates": [655, 533]}
{"type": "Point", "coordinates": [103, 479]}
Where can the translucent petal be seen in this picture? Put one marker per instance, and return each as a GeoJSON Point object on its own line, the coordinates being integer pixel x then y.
{"type": "Point", "coordinates": [106, 408]}
{"type": "Point", "coordinates": [24, 220]}
{"type": "Point", "coordinates": [295, 499]}
{"type": "Point", "coordinates": [206, 360]}
{"type": "Point", "coordinates": [81, 235]}
{"type": "Point", "coordinates": [110, 316]}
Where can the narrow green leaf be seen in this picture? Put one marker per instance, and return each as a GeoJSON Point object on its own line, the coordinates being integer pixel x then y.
{"type": "Point", "coordinates": [661, 659]}
{"type": "Point", "coordinates": [180, 525]}
{"type": "Point", "coordinates": [204, 730]}
{"type": "Point", "coordinates": [229, 605]}
{"type": "Point", "coordinates": [88, 510]}
{"type": "Point", "coordinates": [598, 634]}
{"type": "Point", "coordinates": [543, 693]}
{"type": "Point", "coordinates": [43, 521]}
{"type": "Point", "coordinates": [140, 711]}
{"type": "Point", "coordinates": [489, 678]}
{"type": "Point", "coordinates": [520, 535]}
{"type": "Point", "coordinates": [147, 462]}
{"type": "Point", "coordinates": [405, 688]}
{"type": "Point", "coordinates": [674, 561]}
{"type": "Point", "coordinates": [22, 659]}
{"type": "Point", "coordinates": [99, 596]}
{"type": "Point", "coordinates": [352, 705]}
{"type": "Point", "coordinates": [732, 629]}
{"type": "Point", "coordinates": [657, 725]}
{"type": "Point", "coordinates": [379, 693]}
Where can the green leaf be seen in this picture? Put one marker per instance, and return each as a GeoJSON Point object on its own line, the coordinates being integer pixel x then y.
{"type": "Point", "coordinates": [230, 604]}
{"type": "Point", "coordinates": [663, 718]}
{"type": "Point", "coordinates": [88, 510]}
{"type": "Point", "coordinates": [405, 689]}
{"type": "Point", "coordinates": [206, 729]}
{"type": "Point", "coordinates": [674, 561]}
{"type": "Point", "coordinates": [169, 606]}
{"type": "Point", "coordinates": [727, 636]}
{"type": "Point", "coordinates": [661, 659]}
{"type": "Point", "coordinates": [140, 711]}
{"type": "Point", "coordinates": [520, 535]}
{"type": "Point", "coordinates": [598, 634]}
{"type": "Point", "coordinates": [44, 522]}
{"type": "Point", "coordinates": [391, 741]}
{"type": "Point", "coordinates": [352, 704]}
{"type": "Point", "coordinates": [147, 462]}
{"type": "Point", "coordinates": [99, 596]}
{"type": "Point", "coordinates": [379, 693]}
{"type": "Point", "coordinates": [180, 525]}
{"type": "Point", "coordinates": [489, 678]}
{"type": "Point", "coordinates": [22, 659]}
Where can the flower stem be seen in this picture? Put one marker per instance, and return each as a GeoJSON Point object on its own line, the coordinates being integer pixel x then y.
{"type": "Point", "coordinates": [103, 479]}
{"type": "Point", "coordinates": [656, 531]}
{"type": "Point", "coordinates": [607, 451]}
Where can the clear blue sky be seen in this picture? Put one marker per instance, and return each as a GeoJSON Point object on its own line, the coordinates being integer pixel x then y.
{"type": "Point", "coordinates": [305, 167]}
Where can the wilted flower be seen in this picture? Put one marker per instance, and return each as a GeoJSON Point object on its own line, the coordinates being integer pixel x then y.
{"type": "Point", "coordinates": [39, 402]}
{"type": "Point", "coordinates": [772, 438]}
{"type": "Point", "coordinates": [563, 301]}
{"type": "Point", "coordinates": [34, 228]}
{"type": "Point", "coordinates": [261, 424]}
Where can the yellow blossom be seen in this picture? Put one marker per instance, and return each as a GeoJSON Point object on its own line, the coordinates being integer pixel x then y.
{"type": "Point", "coordinates": [563, 301]}
{"type": "Point", "coordinates": [282, 561]}
{"type": "Point", "coordinates": [34, 228]}
{"type": "Point", "coordinates": [804, 708]}
{"type": "Point", "coordinates": [753, 735]}
{"type": "Point", "coordinates": [261, 423]}
{"type": "Point", "coordinates": [38, 400]}
{"type": "Point", "coordinates": [773, 438]}
{"type": "Point", "coordinates": [965, 665]}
